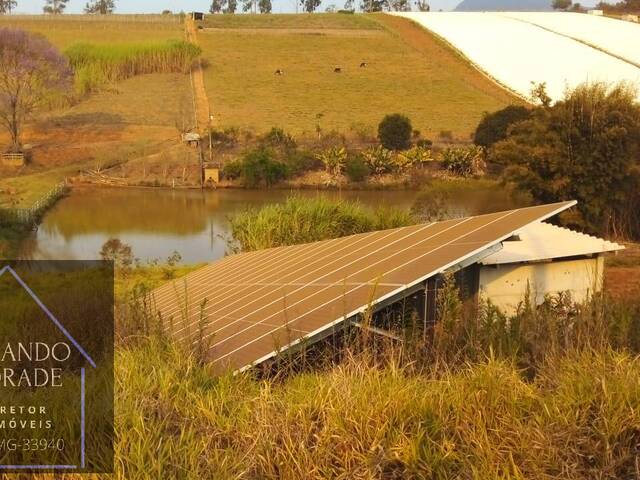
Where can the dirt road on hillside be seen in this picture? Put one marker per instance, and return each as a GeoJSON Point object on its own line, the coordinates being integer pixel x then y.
{"type": "Point", "coordinates": [202, 107]}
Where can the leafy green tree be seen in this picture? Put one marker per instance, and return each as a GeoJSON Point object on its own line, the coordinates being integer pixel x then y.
{"type": "Point", "coordinates": [373, 5]}
{"type": "Point", "coordinates": [230, 6]}
{"type": "Point", "coordinates": [310, 6]}
{"type": "Point", "coordinates": [265, 6]}
{"type": "Point", "coordinates": [561, 4]}
{"type": "Point", "coordinates": [423, 6]}
{"type": "Point", "coordinates": [101, 7]}
{"type": "Point", "coordinates": [55, 7]}
{"type": "Point", "coordinates": [7, 5]}
{"type": "Point", "coordinates": [394, 132]}
{"type": "Point", "coordinates": [493, 126]}
{"type": "Point", "coordinates": [217, 6]}
{"type": "Point", "coordinates": [585, 147]}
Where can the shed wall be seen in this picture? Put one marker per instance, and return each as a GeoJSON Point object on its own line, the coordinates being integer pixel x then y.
{"type": "Point", "coordinates": [505, 285]}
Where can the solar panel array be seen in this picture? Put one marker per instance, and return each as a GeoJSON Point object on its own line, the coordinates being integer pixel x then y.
{"type": "Point", "coordinates": [246, 307]}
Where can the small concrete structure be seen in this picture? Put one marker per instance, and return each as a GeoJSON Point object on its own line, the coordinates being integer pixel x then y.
{"type": "Point", "coordinates": [211, 174]}
{"type": "Point", "coordinates": [546, 260]}
{"type": "Point", "coordinates": [598, 13]}
{"type": "Point", "coordinates": [629, 18]}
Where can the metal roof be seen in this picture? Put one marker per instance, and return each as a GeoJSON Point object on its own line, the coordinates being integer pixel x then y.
{"type": "Point", "coordinates": [543, 241]}
{"type": "Point", "coordinates": [247, 307]}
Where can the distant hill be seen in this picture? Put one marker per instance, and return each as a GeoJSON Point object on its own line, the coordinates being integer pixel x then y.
{"type": "Point", "coordinates": [504, 5]}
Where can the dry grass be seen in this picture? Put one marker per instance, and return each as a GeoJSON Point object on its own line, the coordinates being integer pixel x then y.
{"type": "Point", "coordinates": [408, 71]}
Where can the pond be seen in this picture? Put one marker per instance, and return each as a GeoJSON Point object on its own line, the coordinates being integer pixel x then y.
{"type": "Point", "coordinates": [157, 222]}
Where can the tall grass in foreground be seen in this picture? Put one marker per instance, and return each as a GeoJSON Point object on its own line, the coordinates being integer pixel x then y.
{"type": "Point", "coordinates": [98, 65]}
{"type": "Point", "coordinates": [579, 419]}
{"type": "Point", "coordinates": [302, 220]}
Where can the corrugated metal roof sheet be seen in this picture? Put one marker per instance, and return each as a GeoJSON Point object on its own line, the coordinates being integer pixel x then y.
{"type": "Point", "coordinates": [247, 307]}
{"type": "Point", "coordinates": [543, 241]}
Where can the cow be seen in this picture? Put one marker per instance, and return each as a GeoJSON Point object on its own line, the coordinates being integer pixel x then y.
{"type": "Point", "coordinates": [363, 65]}
{"type": "Point", "coordinates": [279, 72]}
{"type": "Point", "coordinates": [337, 69]}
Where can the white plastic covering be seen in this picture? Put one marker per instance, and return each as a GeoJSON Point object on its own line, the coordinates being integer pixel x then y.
{"type": "Point", "coordinates": [543, 241]}
{"type": "Point", "coordinates": [516, 53]}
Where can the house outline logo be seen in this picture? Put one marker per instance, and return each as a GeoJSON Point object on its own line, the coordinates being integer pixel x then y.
{"type": "Point", "coordinates": [87, 357]}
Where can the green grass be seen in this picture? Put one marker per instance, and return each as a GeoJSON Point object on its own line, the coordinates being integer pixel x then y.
{"type": "Point", "coordinates": [302, 220]}
{"type": "Point", "coordinates": [409, 71]}
{"type": "Point", "coordinates": [98, 65]}
{"type": "Point", "coordinates": [310, 21]}
{"type": "Point", "coordinates": [578, 419]}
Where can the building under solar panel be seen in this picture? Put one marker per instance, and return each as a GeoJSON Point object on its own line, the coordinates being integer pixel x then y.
{"type": "Point", "coordinates": [248, 308]}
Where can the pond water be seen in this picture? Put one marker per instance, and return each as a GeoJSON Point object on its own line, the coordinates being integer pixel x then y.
{"type": "Point", "coordinates": [157, 222]}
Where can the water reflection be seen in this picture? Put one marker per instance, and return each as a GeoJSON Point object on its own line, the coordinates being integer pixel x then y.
{"type": "Point", "coordinates": [157, 222]}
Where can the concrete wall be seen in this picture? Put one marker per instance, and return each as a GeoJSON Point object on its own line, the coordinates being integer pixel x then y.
{"type": "Point", "coordinates": [505, 285]}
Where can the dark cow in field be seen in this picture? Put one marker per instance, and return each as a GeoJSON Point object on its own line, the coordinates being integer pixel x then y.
{"type": "Point", "coordinates": [337, 69]}
{"type": "Point", "coordinates": [279, 72]}
{"type": "Point", "coordinates": [363, 65]}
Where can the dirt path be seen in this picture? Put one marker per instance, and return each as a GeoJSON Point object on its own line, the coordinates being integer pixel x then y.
{"type": "Point", "coordinates": [202, 107]}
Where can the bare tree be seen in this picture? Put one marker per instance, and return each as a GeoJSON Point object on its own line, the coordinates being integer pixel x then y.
{"type": "Point", "coordinates": [33, 71]}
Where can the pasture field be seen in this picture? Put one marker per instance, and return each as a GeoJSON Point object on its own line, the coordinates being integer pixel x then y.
{"type": "Point", "coordinates": [127, 118]}
{"type": "Point", "coordinates": [408, 71]}
{"type": "Point", "coordinates": [517, 53]}
{"type": "Point", "coordinates": [65, 30]}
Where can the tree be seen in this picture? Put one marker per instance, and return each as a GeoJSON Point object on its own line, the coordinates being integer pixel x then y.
{"type": "Point", "coordinates": [217, 6]}
{"type": "Point", "coordinates": [561, 4]}
{"type": "Point", "coordinates": [494, 126]}
{"type": "Point", "coordinates": [399, 5]}
{"type": "Point", "coordinates": [33, 71]}
{"type": "Point", "coordinates": [585, 147]}
{"type": "Point", "coordinates": [55, 7]}
{"type": "Point", "coordinates": [372, 5]}
{"type": "Point", "coordinates": [7, 5]}
{"type": "Point", "coordinates": [423, 6]}
{"type": "Point", "coordinates": [264, 6]}
{"type": "Point", "coordinates": [230, 6]}
{"type": "Point", "coordinates": [348, 6]}
{"type": "Point", "coordinates": [101, 7]}
{"type": "Point", "coordinates": [310, 6]}
{"type": "Point", "coordinates": [394, 132]}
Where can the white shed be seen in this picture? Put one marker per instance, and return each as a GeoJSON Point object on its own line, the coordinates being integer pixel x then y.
{"type": "Point", "coordinates": [549, 260]}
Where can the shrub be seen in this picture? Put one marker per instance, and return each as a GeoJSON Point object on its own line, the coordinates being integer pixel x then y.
{"type": "Point", "coordinates": [394, 132]}
{"type": "Point", "coordinates": [494, 126]}
{"type": "Point", "coordinates": [300, 161]}
{"type": "Point", "coordinates": [414, 157]}
{"type": "Point", "coordinates": [446, 135]}
{"type": "Point", "coordinates": [232, 170]}
{"type": "Point", "coordinates": [277, 137]}
{"type": "Point", "coordinates": [333, 159]}
{"type": "Point", "coordinates": [463, 161]}
{"type": "Point", "coordinates": [301, 220]}
{"type": "Point", "coordinates": [260, 168]}
{"type": "Point", "coordinates": [424, 143]}
{"type": "Point", "coordinates": [379, 160]}
{"type": "Point", "coordinates": [356, 169]}
{"type": "Point", "coordinates": [226, 138]}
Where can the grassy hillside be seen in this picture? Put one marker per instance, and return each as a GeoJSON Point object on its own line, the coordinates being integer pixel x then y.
{"type": "Point", "coordinates": [408, 71]}
{"type": "Point", "coordinates": [125, 119]}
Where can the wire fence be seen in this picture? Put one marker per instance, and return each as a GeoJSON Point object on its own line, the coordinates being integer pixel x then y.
{"type": "Point", "coordinates": [30, 216]}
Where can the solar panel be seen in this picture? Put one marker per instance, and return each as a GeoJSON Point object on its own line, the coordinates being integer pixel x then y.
{"type": "Point", "coordinates": [247, 307]}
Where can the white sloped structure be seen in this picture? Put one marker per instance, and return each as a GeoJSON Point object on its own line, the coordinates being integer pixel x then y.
{"type": "Point", "coordinates": [614, 36]}
{"type": "Point", "coordinates": [549, 260]}
{"type": "Point", "coordinates": [516, 53]}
